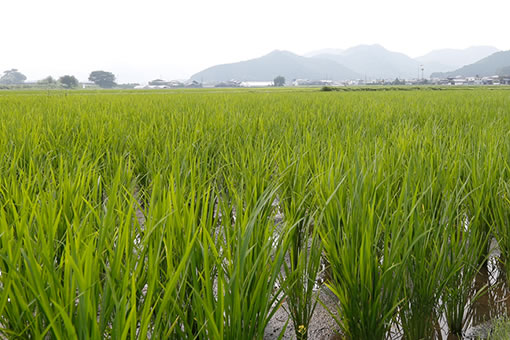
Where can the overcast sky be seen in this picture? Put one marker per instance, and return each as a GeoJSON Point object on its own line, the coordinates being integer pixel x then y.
{"type": "Point", "coordinates": [142, 40]}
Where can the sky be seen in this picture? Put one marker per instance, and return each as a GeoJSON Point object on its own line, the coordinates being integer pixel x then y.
{"type": "Point", "coordinates": [140, 40]}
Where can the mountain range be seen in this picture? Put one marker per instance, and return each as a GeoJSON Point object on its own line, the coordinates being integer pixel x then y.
{"type": "Point", "coordinates": [359, 62]}
{"type": "Point", "coordinates": [284, 63]}
{"type": "Point", "coordinates": [374, 61]}
{"type": "Point", "coordinates": [496, 64]}
{"type": "Point", "coordinates": [450, 59]}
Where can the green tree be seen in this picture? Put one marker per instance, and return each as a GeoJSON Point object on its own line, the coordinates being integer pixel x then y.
{"type": "Point", "coordinates": [48, 80]}
{"type": "Point", "coordinates": [398, 82]}
{"type": "Point", "coordinates": [279, 81]}
{"type": "Point", "coordinates": [68, 81]}
{"type": "Point", "coordinates": [12, 77]}
{"type": "Point", "coordinates": [103, 79]}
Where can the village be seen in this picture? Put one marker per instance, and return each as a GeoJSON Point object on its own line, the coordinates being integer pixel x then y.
{"type": "Point", "coordinates": [453, 81]}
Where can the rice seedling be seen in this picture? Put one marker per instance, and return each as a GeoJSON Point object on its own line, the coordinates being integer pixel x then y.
{"type": "Point", "coordinates": [300, 271]}
{"type": "Point", "coordinates": [502, 225]}
{"type": "Point", "coordinates": [363, 244]}
{"type": "Point", "coordinates": [243, 295]}
{"type": "Point", "coordinates": [466, 247]}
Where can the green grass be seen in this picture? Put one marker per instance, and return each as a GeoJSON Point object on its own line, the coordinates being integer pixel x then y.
{"type": "Point", "coordinates": [153, 214]}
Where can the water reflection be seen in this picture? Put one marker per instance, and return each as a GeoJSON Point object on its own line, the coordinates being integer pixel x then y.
{"type": "Point", "coordinates": [490, 300]}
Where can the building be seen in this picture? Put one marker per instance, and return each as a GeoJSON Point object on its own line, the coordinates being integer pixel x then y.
{"type": "Point", "coordinates": [257, 84]}
{"type": "Point", "coordinates": [306, 82]}
{"type": "Point", "coordinates": [230, 83]}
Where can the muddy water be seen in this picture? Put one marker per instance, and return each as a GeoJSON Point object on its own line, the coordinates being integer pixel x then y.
{"type": "Point", "coordinates": [491, 305]}
{"type": "Point", "coordinates": [488, 306]}
{"type": "Point", "coordinates": [494, 304]}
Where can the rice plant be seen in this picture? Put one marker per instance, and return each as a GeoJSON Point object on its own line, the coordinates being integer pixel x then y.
{"type": "Point", "coordinates": [199, 214]}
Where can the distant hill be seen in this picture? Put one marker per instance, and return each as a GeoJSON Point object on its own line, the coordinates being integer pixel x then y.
{"type": "Point", "coordinates": [374, 61]}
{"type": "Point", "coordinates": [284, 63]}
{"type": "Point", "coordinates": [446, 60]}
{"type": "Point", "coordinates": [488, 66]}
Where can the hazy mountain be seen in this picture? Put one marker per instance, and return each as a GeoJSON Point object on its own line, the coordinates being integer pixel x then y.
{"type": "Point", "coordinates": [324, 51]}
{"type": "Point", "coordinates": [450, 59]}
{"type": "Point", "coordinates": [489, 66]}
{"type": "Point", "coordinates": [363, 61]}
{"type": "Point", "coordinates": [374, 61]}
{"type": "Point", "coordinates": [284, 63]}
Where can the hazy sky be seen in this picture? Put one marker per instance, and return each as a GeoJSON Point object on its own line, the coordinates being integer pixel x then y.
{"type": "Point", "coordinates": [142, 40]}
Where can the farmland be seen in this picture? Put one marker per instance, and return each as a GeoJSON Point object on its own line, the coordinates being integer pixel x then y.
{"type": "Point", "coordinates": [201, 214]}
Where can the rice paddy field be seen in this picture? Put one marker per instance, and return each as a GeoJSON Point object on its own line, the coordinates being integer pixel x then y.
{"type": "Point", "coordinates": [205, 214]}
